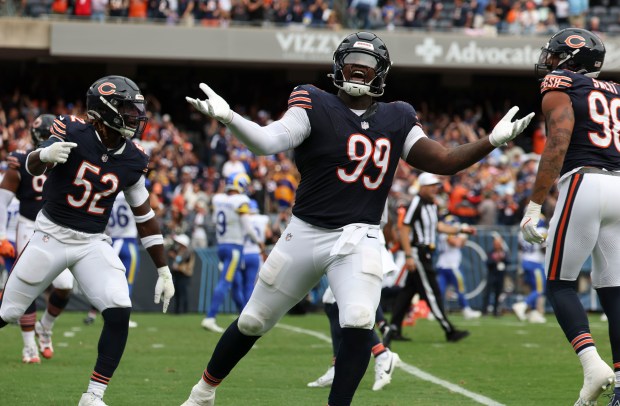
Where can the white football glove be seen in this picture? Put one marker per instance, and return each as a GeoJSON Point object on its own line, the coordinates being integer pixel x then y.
{"type": "Point", "coordinates": [214, 106]}
{"type": "Point", "coordinates": [507, 129]}
{"type": "Point", "coordinates": [164, 286]}
{"type": "Point", "coordinates": [529, 224]}
{"type": "Point", "coordinates": [57, 153]}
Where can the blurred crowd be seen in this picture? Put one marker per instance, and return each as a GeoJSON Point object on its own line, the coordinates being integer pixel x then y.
{"type": "Point", "coordinates": [474, 17]}
{"type": "Point", "coordinates": [190, 162]}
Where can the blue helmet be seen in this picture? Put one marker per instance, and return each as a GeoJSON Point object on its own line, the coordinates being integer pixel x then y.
{"type": "Point", "coordinates": [452, 220]}
{"type": "Point", "coordinates": [254, 206]}
{"type": "Point", "coordinates": [238, 182]}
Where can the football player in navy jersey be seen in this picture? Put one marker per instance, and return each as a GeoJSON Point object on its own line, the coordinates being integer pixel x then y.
{"type": "Point", "coordinates": [88, 162]}
{"type": "Point", "coordinates": [19, 183]}
{"type": "Point", "coordinates": [347, 147]}
{"type": "Point", "coordinates": [583, 151]}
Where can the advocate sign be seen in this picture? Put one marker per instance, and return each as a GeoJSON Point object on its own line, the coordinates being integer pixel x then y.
{"type": "Point", "coordinates": [296, 46]}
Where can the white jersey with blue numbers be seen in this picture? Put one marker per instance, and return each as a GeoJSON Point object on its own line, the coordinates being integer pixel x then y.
{"type": "Point", "coordinates": [227, 210]}
{"type": "Point", "coordinates": [449, 256]}
{"type": "Point", "coordinates": [259, 224]}
{"type": "Point", "coordinates": [121, 223]}
{"type": "Point", "coordinates": [11, 221]}
{"type": "Point", "coordinates": [532, 252]}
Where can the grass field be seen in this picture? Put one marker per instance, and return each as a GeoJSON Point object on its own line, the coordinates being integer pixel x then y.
{"type": "Point", "coordinates": [502, 362]}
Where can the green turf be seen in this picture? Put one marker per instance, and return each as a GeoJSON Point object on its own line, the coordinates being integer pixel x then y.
{"type": "Point", "coordinates": [506, 361]}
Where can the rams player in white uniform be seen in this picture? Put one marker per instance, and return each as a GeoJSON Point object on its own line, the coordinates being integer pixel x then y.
{"type": "Point", "coordinates": [231, 215]}
{"type": "Point", "coordinates": [252, 251]}
{"type": "Point", "coordinates": [448, 266]}
{"type": "Point", "coordinates": [532, 257]}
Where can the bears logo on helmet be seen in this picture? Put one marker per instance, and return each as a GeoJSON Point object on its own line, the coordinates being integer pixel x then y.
{"type": "Point", "coordinates": [118, 103]}
{"type": "Point", "coordinates": [40, 128]}
{"type": "Point", "coordinates": [576, 49]}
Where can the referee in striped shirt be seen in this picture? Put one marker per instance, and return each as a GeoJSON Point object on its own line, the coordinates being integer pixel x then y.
{"type": "Point", "coordinates": [418, 235]}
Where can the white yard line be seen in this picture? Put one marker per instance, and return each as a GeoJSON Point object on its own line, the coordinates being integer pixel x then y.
{"type": "Point", "coordinates": [410, 369]}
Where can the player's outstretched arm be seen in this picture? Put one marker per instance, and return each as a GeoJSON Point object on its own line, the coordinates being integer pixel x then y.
{"type": "Point", "coordinates": [281, 135]}
{"type": "Point", "coordinates": [153, 241]}
{"type": "Point", "coordinates": [430, 156]}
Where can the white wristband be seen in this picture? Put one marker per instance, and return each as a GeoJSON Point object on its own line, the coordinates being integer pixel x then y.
{"type": "Point", "coordinates": [150, 240]}
{"type": "Point", "coordinates": [145, 217]}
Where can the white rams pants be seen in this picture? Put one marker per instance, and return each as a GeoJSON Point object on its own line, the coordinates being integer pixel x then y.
{"type": "Point", "coordinates": [302, 255]}
{"type": "Point", "coordinates": [94, 265]}
{"type": "Point", "coordinates": [586, 221]}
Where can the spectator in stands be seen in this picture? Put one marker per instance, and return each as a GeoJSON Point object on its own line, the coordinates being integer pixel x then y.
{"type": "Point", "coordinates": [99, 10]}
{"type": "Point", "coordinates": [185, 11]}
{"type": "Point", "coordinates": [82, 8]}
{"type": "Point", "coordinates": [119, 8]}
{"type": "Point", "coordinates": [137, 9]}
{"type": "Point", "coordinates": [361, 10]}
{"type": "Point", "coordinates": [256, 11]}
{"type": "Point", "coordinates": [462, 15]}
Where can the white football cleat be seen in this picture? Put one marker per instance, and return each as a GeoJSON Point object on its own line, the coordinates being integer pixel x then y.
{"type": "Point", "coordinates": [535, 317]}
{"type": "Point", "coordinates": [133, 324]}
{"type": "Point", "coordinates": [384, 370]}
{"type": "Point", "coordinates": [45, 340]}
{"type": "Point", "coordinates": [470, 314]}
{"type": "Point", "coordinates": [520, 308]}
{"type": "Point", "coordinates": [209, 323]}
{"type": "Point", "coordinates": [604, 318]}
{"type": "Point", "coordinates": [596, 380]}
{"type": "Point", "coordinates": [30, 355]}
{"type": "Point", "coordinates": [325, 380]}
{"type": "Point", "coordinates": [200, 396]}
{"type": "Point", "coordinates": [90, 399]}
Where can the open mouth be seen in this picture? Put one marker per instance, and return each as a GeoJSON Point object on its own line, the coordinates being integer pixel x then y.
{"type": "Point", "coordinates": [358, 76]}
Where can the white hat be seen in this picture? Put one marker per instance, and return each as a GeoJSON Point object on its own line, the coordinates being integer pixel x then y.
{"type": "Point", "coordinates": [426, 179]}
{"type": "Point", "coordinates": [182, 239]}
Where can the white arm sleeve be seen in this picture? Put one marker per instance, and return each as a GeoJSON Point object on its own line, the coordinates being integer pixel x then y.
{"type": "Point", "coordinates": [414, 136]}
{"type": "Point", "coordinates": [281, 135]}
{"type": "Point", "coordinates": [247, 227]}
{"type": "Point", "coordinates": [137, 194]}
{"type": "Point", "coordinates": [5, 199]}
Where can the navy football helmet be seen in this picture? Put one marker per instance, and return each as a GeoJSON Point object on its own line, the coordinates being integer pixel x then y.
{"type": "Point", "coordinates": [577, 50]}
{"type": "Point", "coordinates": [118, 103]}
{"type": "Point", "coordinates": [362, 48]}
{"type": "Point", "coordinates": [40, 128]}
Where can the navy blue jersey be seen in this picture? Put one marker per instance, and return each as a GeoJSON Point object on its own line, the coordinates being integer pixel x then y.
{"type": "Point", "coordinates": [347, 163]}
{"type": "Point", "coordinates": [594, 141]}
{"type": "Point", "coordinates": [30, 189]}
{"type": "Point", "coordinates": [80, 193]}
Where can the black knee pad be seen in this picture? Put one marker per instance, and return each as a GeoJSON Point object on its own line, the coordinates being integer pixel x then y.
{"type": "Point", "coordinates": [118, 316]}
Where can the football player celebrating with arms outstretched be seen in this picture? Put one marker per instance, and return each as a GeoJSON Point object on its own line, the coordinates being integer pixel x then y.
{"type": "Point", "coordinates": [88, 163]}
{"type": "Point", "coordinates": [583, 150]}
{"type": "Point", "coordinates": [18, 182]}
{"type": "Point", "coordinates": [347, 148]}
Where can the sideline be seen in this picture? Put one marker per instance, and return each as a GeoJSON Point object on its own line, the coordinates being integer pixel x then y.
{"type": "Point", "coordinates": [410, 369]}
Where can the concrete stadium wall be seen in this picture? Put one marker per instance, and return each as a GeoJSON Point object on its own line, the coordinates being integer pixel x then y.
{"type": "Point", "coordinates": [132, 42]}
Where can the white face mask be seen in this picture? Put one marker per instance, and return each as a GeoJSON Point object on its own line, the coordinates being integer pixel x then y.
{"type": "Point", "coordinates": [356, 89]}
